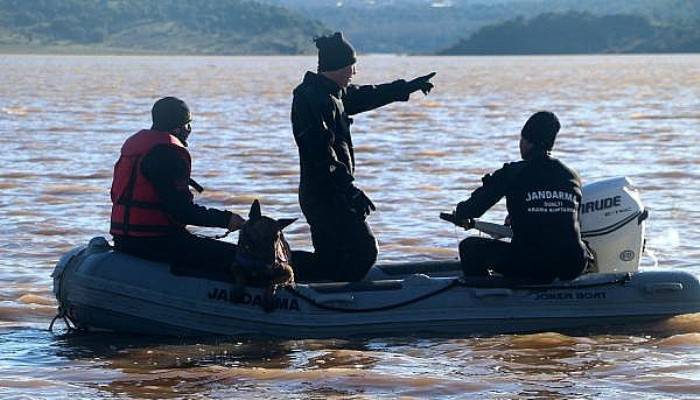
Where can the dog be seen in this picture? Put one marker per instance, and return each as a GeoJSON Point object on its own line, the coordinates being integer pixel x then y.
{"type": "Point", "coordinates": [263, 258]}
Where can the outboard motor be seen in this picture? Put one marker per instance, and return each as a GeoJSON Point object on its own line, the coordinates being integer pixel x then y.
{"type": "Point", "coordinates": [612, 222]}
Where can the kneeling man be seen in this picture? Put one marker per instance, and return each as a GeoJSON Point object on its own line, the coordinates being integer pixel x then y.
{"type": "Point", "coordinates": [345, 246]}
{"type": "Point", "coordinates": [543, 197]}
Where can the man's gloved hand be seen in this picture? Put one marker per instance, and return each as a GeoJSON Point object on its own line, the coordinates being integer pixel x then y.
{"type": "Point", "coordinates": [360, 204]}
{"type": "Point", "coordinates": [235, 222]}
{"type": "Point", "coordinates": [460, 218]}
{"type": "Point", "coordinates": [460, 212]}
{"type": "Point", "coordinates": [421, 83]}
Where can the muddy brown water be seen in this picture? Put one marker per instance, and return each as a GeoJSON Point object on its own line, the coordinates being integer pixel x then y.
{"type": "Point", "coordinates": [63, 119]}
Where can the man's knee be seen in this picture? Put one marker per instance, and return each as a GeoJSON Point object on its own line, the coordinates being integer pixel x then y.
{"type": "Point", "coordinates": [204, 253]}
{"type": "Point", "coordinates": [357, 262]}
{"type": "Point", "coordinates": [478, 254]}
{"type": "Point", "coordinates": [469, 246]}
{"type": "Point", "coordinates": [370, 253]}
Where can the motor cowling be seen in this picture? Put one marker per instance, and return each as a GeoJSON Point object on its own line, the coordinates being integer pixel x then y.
{"type": "Point", "coordinates": [612, 222]}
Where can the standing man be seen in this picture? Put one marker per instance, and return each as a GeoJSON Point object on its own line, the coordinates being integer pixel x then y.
{"type": "Point", "coordinates": [152, 202]}
{"type": "Point", "coordinates": [345, 248]}
{"type": "Point", "coordinates": [543, 197]}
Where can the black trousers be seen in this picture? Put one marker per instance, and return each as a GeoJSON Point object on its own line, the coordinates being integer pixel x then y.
{"type": "Point", "coordinates": [344, 251]}
{"type": "Point", "coordinates": [478, 255]}
{"type": "Point", "coordinates": [186, 253]}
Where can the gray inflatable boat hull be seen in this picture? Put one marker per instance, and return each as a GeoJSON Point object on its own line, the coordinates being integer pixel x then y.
{"type": "Point", "coordinates": [100, 289]}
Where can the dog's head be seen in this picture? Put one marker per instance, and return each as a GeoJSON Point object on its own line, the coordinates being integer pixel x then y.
{"type": "Point", "coordinates": [262, 246]}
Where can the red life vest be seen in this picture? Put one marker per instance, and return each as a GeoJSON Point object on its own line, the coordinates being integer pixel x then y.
{"type": "Point", "coordinates": [136, 208]}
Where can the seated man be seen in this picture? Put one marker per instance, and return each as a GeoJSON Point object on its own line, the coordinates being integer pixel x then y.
{"type": "Point", "coordinates": [543, 197]}
{"type": "Point", "coordinates": [152, 203]}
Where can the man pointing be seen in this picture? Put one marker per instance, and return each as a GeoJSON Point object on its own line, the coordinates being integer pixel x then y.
{"type": "Point", "coordinates": [335, 208]}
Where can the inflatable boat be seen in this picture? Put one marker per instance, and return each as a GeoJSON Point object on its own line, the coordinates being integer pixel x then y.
{"type": "Point", "coordinates": [99, 289]}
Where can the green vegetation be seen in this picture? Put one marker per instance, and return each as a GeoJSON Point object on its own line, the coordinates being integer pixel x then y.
{"type": "Point", "coordinates": [576, 33]}
{"type": "Point", "coordinates": [154, 26]}
{"type": "Point", "coordinates": [398, 26]}
{"type": "Point", "coordinates": [426, 26]}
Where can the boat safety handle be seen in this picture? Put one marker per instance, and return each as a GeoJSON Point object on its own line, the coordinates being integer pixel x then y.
{"type": "Point", "coordinates": [664, 287]}
{"type": "Point", "coordinates": [499, 292]}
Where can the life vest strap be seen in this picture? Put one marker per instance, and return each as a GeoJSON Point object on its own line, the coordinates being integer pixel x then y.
{"type": "Point", "coordinates": [116, 226]}
{"type": "Point", "coordinates": [140, 204]}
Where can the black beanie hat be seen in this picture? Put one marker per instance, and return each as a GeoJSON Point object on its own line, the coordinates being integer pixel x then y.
{"type": "Point", "coordinates": [541, 129]}
{"type": "Point", "coordinates": [169, 113]}
{"type": "Point", "coordinates": [334, 52]}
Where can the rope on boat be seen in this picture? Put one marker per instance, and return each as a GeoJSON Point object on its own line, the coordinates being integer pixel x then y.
{"type": "Point", "coordinates": [62, 312]}
{"type": "Point", "coordinates": [620, 281]}
{"type": "Point", "coordinates": [313, 302]}
{"type": "Point", "coordinates": [454, 283]}
{"type": "Point", "coordinates": [63, 315]}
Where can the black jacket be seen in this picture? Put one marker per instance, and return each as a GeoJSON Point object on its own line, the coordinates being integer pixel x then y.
{"type": "Point", "coordinates": [321, 123]}
{"type": "Point", "coordinates": [165, 169]}
{"type": "Point", "coordinates": [543, 197]}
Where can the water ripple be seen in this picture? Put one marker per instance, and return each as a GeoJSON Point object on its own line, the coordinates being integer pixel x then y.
{"type": "Point", "coordinates": [63, 122]}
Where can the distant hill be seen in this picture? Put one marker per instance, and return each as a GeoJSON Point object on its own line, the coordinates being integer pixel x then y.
{"type": "Point", "coordinates": [154, 26]}
{"type": "Point", "coordinates": [287, 26]}
{"type": "Point", "coordinates": [427, 26]}
{"type": "Point", "coordinates": [577, 33]}
{"type": "Point", "coordinates": [400, 26]}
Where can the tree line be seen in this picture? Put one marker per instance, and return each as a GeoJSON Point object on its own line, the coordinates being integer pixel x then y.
{"type": "Point", "coordinates": [579, 33]}
{"type": "Point", "coordinates": [287, 26]}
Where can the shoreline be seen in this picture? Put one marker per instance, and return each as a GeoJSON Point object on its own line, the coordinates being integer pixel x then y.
{"type": "Point", "coordinates": [113, 52]}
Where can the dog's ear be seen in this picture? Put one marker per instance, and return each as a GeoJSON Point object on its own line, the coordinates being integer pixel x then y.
{"type": "Point", "coordinates": [254, 211]}
{"type": "Point", "coordinates": [284, 222]}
